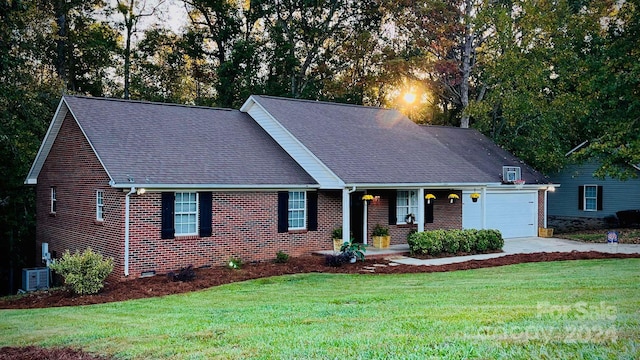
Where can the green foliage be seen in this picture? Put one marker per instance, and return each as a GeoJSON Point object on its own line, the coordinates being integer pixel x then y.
{"type": "Point", "coordinates": [380, 230]}
{"type": "Point", "coordinates": [234, 263]}
{"type": "Point", "coordinates": [84, 273]}
{"type": "Point", "coordinates": [351, 249]}
{"type": "Point", "coordinates": [281, 257]}
{"type": "Point", "coordinates": [337, 233]}
{"type": "Point", "coordinates": [435, 242]}
{"type": "Point", "coordinates": [451, 241]}
{"type": "Point", "coordinates": [494, 238]}
{"type": "Point", "coordinates": [426, 242]}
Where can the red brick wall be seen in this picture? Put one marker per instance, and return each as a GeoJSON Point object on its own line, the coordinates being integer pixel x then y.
{"type": "Point", "coordinates": [445, 216]}
{"type": "Point", "coordinates": [244, 223]}
{"type": "Point", "coordinates": [75, 171]}
{"type": "Point", "coordinates": [244, 226]}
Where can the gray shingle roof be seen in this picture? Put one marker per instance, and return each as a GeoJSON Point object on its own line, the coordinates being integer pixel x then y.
{"type": "Point", "coordinates": [158, 143]}
{"type": "Point", "coordinates": [377, 146]}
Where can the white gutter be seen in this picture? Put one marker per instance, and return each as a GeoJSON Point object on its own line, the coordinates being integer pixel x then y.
{"type": "Point", "coordinates": [126, 231]}
{"type": "Point", "coordinates": [210, 187]}
{"type": "Point", "coordinates": [373, 186]}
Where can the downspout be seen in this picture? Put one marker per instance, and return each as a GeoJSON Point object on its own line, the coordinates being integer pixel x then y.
{"type": "Point", "coordinates": [126, 231]}
{"type": "Point", "coordinates": [544, 220]}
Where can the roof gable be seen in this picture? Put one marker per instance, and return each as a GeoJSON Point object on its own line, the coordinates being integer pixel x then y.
{"type": "Point", "coordinates": [368, 145]}
{"type": "Point", "coordinates": [165, 145]}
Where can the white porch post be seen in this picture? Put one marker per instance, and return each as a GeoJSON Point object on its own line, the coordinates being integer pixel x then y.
{"type": "Point", "coordinates": [346, 216]}
{"type": "Point", "coordinates": [420, 215]}
{"type": "Point", "coordinates": [365, 222]}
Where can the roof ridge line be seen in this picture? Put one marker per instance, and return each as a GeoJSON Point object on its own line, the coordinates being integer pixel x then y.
{"type": "Point", "coordinates": [324, 102]}
{"type": "Point", "coordinates": [149, 102]}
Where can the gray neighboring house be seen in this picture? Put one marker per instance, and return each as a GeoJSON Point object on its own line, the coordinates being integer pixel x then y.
{"type": "Point", "coordinates": [584, 201]}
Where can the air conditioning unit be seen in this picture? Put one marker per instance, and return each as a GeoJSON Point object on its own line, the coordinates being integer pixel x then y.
{"type": "Point", "coordinates": [35, 279]}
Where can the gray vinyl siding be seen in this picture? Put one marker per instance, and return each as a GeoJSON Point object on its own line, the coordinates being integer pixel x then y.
{"type": "Point", "coordinates": [617, 195]}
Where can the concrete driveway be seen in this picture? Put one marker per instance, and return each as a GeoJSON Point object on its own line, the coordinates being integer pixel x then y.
{"type": "Point", "coordinates": [529, 245]}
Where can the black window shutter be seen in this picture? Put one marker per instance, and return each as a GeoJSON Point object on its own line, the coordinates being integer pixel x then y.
{"type": "Point", "coordinates": [599, 199]}
{"type": "Point", "coordinates": [312, 210]}
{"type": "Point", "coordinates": [283, 211]}
{"type": "Point", "coordinates": [428, 212]}
{"type": "Point", "coordinates": [580, 197]}
{"type": "Point", "coordinates": [392, 207]}
{"type": "Point", "coordinates": [205, 199]}
{"type": "Point", "coordinates": [168, 231]}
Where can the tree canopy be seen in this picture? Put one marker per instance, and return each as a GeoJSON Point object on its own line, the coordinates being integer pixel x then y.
{"type": "Point", "coordinates": [538, 77]}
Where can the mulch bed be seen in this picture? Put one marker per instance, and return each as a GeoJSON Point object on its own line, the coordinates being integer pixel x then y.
{"type": "Point", "coordinates": [206, 278]}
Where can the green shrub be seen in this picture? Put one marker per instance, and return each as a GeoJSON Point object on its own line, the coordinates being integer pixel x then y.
{"type": "Point", "coordinates": [451, 241]}
{"type": "Point", "coordinates": [454, 241]}
{"type": "Point", "coordinates": [281, 257]}
{"type": "Point", "coordinates": [482, 241]}
{"type": "Point", "coordinates": [426, 242]}
{"type": "Point", "coordinates": [83, 273]}
{"type": "Point", "coordinates": [234, 263]}
{"type": "Point", "coordinates": [467, 240]}
{"type": "Point", "coordinates": [496, 242]}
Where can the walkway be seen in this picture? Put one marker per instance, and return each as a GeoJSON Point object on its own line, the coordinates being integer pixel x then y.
{"type": "Point", "coordinates": [526, 245]}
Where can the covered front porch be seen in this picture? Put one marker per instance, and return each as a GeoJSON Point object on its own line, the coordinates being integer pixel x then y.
{"type": "Point", "coordinates": [515, 210]}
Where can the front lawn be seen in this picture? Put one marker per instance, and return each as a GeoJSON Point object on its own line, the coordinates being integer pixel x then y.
{"type": "Point", "coordinates": [625, 236]}
{"type": "Point", "coordinates": [572, 309]}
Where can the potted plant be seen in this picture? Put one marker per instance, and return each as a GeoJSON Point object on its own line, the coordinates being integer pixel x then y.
{"type": "Point", "coordinates": [474, 196]}
{"type": "Point", "coordinates": [353, 251]}
{"type": "Point", "coordinates": [336, 235]}
{"type": "Point", "coordinates": [453, 197]}
{"type": "Point", "coordinates": [381, 237]}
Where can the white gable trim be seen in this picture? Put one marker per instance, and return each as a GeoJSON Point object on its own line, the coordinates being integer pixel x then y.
{"type": "Point", "coordinates": [52, 133]}
{"type": "Point", "coordinates": [300, 153]}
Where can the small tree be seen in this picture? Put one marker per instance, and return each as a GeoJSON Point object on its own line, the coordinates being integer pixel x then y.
{"type": "Point", "coordinates": [84, 273]}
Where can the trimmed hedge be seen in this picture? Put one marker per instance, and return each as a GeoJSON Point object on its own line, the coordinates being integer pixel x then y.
{"type": "Point", "coordinates": [435, 242]}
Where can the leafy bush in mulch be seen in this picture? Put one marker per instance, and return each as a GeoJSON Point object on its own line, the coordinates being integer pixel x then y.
{"type": "Point", "coordinates": [184, 274]}
{"type": "Point", "coordinates": [436, 242]}
{"type": "Point", "coordinates": [84, 273]}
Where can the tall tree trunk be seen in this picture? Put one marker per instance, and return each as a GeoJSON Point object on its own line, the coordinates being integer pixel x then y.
{"type": "Point", "coordinates": [466, 64]}
{"type": "Point", "coordinates": [127, 58]}
{"type": "Point", "coordinates": [61, 41]}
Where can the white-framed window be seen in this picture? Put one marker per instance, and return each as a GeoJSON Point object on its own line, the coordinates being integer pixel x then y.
{"type": "Point", "coordinates": [297, 209]}
{"type": "Point", "coordinates": [406, 203]}
{"type": "Point", "coordinates": [591, 198]}
{"type": "Point", "coordinates": [186, 213]}
{"type": "Point", "coordinates": [99, 205]}
{"type": "Point", "coordinates": [53, 200]}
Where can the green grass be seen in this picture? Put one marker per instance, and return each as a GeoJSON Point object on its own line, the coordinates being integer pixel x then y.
{"type": "Point", "coordinates": [625, 236]}
{"type": "Point", "coordinates": [575, 309]}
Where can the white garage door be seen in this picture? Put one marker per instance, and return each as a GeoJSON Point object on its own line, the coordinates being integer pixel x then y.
{"type": "Point", "coordinates": [513, 213]}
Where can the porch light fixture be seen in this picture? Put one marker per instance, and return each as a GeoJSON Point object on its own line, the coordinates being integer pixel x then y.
{"type": "Point", "coordinates": [429, 198]}
{"type": "Point", "coordinates": [140, 191]}
{"type": "Point", "coordinates": [367, 197]}
{"type": "Point", "coordinates": [453, 197]}
{"type": "Point", "coordinates": [474, 196]}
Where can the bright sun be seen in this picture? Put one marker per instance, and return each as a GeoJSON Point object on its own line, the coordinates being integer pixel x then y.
{"type": "Point", "coordinates": [409, 97]}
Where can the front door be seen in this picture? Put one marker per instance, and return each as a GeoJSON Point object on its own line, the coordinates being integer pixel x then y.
{"type": "Point", "coordinates": [357, 216]}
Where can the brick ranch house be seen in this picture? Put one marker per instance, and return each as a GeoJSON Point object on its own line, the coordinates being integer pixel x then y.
{"type": "Point", "coordinates": [161, 186]}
